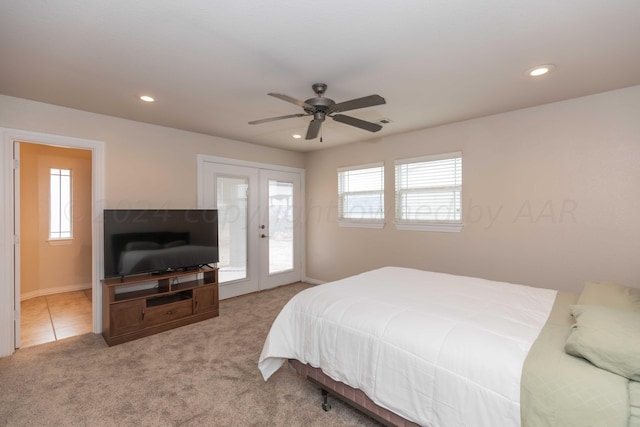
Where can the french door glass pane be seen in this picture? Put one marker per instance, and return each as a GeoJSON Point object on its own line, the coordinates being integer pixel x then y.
{"type": "Point", "coordinates": [280, 226]}
{"type": "Point", "coordinates": [232, 227]}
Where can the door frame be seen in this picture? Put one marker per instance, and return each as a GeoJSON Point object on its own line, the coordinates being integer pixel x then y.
{"type": "Point", "coordinates": [203, 158]}
{"type": "Point", "coordinates": [9, 263]}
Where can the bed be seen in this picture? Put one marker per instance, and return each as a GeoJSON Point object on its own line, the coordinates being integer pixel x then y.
{"type": "Point", "coordinates": [413, 347]}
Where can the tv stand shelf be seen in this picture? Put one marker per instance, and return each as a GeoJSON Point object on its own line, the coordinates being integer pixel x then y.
{"type": "Point", "coordinates": [132, 314]}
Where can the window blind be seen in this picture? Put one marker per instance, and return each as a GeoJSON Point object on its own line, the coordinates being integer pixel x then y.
{"type": "Point", "coordinates": [428, 189]}
{"type": "Point", "coordinates": [361, 192]}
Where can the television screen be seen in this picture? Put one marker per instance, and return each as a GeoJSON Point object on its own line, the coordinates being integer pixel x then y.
{"type": "Point", "coordinates": [152, 241]}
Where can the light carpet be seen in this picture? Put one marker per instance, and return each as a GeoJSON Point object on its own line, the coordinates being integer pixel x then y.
{"type": "Point", "coordinates": [204, 374]}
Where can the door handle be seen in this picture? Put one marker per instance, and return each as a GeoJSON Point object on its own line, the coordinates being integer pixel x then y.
{"type": "Point", "coordinates": [263, 235]}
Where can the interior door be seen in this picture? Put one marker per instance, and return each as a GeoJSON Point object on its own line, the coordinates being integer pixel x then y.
{"type": "Point", "coordinates": [259, 222]}
{"type": "Point", "coordinates": [280, 228]}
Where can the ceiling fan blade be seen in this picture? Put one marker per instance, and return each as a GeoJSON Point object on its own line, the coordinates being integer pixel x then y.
{"type": "Point", "coordinates": [293, 101]}
{"type": "Point", "coordinates": [314, 129]}
{"type": "Point", "coordinates": [371, 127]}
{"type": "Point", "coordinates": [354, 104]}
{"type": "Point", "coordinates": [272, 119]}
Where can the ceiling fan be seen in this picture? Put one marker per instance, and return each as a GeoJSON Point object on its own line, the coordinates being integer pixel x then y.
{"type": "Point", "coordinates": [320, 107]}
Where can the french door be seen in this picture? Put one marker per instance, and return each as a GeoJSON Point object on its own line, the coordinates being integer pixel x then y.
{"type": "Point", "coordinates": [280, 228]}
{"type": "Point", "coordinates": [259, 223]}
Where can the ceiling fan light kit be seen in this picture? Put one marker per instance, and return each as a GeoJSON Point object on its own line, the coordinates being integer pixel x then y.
{"type": "Point", "coordinates": [321, 107]}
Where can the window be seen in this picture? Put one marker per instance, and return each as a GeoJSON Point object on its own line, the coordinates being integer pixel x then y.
{"type": "Point", "coordinates": [60, 204]}
{"type": "Point", "coordinates": [428, 193]}
{"type": "Point", "coordinates": [361, 196]}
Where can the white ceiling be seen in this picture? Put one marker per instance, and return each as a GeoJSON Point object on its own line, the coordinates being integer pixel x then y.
{"type": "Point", "coordinates": [210, 64]}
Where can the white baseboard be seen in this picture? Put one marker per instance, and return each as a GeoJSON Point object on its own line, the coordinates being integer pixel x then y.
{"type": "Point", "coordinates": [51, 291]}
{"type": "Point", "coordinates": [313, 281]}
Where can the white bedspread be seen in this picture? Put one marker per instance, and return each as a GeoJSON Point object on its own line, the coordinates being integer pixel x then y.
{"type": "Point", "coordinates": [437, 349]}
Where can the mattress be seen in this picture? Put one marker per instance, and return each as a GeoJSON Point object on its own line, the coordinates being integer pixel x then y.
{"type": "Point", "coordinates": [434, 348]}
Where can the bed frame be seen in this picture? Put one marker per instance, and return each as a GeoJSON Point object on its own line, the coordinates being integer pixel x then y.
{"type": "Point", "coordinates": [349, 395]}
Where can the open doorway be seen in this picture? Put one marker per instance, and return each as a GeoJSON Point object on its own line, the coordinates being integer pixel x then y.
{"type": "Point", "coordinates": [55, 255]}
{"type": "Point", "coordinates": [10, 229]}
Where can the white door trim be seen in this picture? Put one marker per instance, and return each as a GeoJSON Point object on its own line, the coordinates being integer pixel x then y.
{"type": "Point", "coordinates": [9, 289]}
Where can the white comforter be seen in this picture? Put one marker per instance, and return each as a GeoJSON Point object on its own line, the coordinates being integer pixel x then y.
{"type": "Point", "coordinates": [437, 349]}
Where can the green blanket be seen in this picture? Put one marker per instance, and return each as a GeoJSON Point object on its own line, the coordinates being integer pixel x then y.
{"type": "Point", "coordinates": [564, 391]}
{"type": "Point", "coordinates": [634, 402]}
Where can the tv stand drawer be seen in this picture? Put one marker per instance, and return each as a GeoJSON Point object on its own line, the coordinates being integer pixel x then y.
{"type": "Point", "coordinates": [168, 312]}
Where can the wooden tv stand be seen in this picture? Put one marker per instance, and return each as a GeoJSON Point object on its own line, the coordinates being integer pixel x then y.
{"type": "Point", "coordinates": [131, 314]}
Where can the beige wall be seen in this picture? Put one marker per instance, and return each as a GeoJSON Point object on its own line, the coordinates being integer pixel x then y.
{"type": "Point", "coordinates": [550, 198]}
{"type": "Point", "coordinates": [50, 267]}
{"type": "Point", "coordinates": [146, 166]}
{"type": "Point", "coordinates": [522, 170]}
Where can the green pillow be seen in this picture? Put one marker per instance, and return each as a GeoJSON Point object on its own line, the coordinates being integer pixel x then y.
{"type": "Point", "coordinates": [608, 338]}
{"type": "Point", "coordinates": [610, 294]}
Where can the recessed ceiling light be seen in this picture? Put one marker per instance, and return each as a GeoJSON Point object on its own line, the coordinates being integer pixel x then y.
{"type": "Point", "coordinates": [296, 136]}
{"type": "Point", "coordinates": [541, 70]}
{"type": "Point", "coordinates": [147, 98]}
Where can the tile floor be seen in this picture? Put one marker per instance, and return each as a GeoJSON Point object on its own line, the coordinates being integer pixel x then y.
{"type": "Point", "coordinates": [54, 317]}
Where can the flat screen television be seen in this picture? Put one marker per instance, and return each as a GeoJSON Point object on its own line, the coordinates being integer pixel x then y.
{"type": "Point", "coordinates": [140, 241]}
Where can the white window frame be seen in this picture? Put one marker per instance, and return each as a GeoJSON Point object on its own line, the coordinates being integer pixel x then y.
{"type": "Point", "coordinates": [60, 207]}
{"type": "Point", "coordinates": [345, 221]}
{"type": "Point", "coordinates": [454, 225]}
